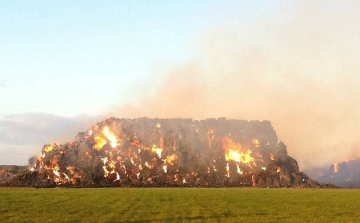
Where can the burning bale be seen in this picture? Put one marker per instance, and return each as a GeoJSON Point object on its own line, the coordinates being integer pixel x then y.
{"type": "Point", "coordinates": [169, 152]}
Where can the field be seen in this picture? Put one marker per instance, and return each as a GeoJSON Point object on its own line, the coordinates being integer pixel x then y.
{"type": "Point", "coordinates": [179, 205]}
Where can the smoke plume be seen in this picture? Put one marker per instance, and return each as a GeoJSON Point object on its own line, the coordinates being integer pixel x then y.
{"type": "Point", "coordinates": [297, 65]}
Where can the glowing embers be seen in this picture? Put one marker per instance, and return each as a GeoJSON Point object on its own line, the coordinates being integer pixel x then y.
{"type": "Point", "coordinates": [58, 176]}
{"type": "Point", "coordinates": [109, 168]}
{"type": "Point", "coordinates": [106, 136]}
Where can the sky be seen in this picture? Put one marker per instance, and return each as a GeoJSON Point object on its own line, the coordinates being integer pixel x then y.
{"type": "Point", "coordinates": [66, 65]}
{"type": "Point", "coordinates": [70, 58]}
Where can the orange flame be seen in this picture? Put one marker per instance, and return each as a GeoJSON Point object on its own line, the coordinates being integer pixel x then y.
{"type": "Point", "coordinates": [171, 159]}
{"type": "Point", "coordinates": [233, 151]}
{"type": "Point", "coordinates": [110, 136]}
{"type": "Point", "coordinates": [106, 136]}
{"type": "Point", "coordinates": [336, 168]}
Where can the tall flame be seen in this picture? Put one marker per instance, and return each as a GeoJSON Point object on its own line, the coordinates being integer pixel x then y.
{"type": "Point", "coordinates": [110, 136]}
{"type": "Point", "coordinates": [105, 136]}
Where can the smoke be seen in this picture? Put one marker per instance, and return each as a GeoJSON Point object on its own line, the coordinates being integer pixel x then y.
{"type": "Point", "coordinates": [22, 135]}
{"type": "Point", "coordinates": [297, 65]}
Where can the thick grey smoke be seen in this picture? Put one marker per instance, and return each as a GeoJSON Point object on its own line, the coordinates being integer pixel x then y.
{"type": "Point", "coordinates": [297, 66]}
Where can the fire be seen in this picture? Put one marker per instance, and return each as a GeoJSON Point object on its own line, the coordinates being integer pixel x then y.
{"type": "Point", "coordinates": [239, 170]}
{"type": "Point", "coordinates": [227, 170]}
{"type": "Point", "coordinates": [246, 158]}
{"type": "Point", "coordinates": [336, 168]}
{"type": "Point", "coordinates": [232, 155]}
{"type": "Point", "coordinates": [117, 177]}
{"type": "Point", "coordinates": [134, 161]}
{"type": "Point", "coordinates": [171, 159]}
{"type": "Point", "coordinates": [156, 150]}
{"type": "Point", "coordinates": [110, 136]}
{"type": "Point", "coordinates": [100, 142]}
{"type": "Point", "coordinates": [105, 136]}
{"type": "Point", "coordinates": [56, 173]}
{"type": "Point", "coordinates": [49, 147]}
{"type": "Point", "coordinates": [233, 151]}
{"type": "Point", "coordinates": [272, 157]}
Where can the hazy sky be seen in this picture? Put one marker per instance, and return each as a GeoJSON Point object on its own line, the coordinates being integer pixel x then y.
{"type": "Point", "coordinates": [66, 64]}
{"type": "Point", "coordinates": [77, 57]}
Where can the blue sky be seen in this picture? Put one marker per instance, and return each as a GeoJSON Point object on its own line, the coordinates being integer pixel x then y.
{"type": "Point", "coordinates": [77, 57]}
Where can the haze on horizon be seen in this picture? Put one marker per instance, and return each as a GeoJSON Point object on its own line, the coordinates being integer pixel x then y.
{"type": "Point", "coordinates": [296, 63]}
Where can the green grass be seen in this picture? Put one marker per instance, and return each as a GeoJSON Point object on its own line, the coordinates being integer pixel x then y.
{"type": "Point", "coordinates": [179, 205]}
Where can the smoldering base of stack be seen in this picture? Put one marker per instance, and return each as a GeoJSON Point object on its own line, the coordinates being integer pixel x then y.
{"type": "Point", "coordinates": [196, 147]}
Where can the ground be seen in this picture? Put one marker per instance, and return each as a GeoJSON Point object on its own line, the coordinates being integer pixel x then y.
{"type": "Point", "coordinates": [179, 205]}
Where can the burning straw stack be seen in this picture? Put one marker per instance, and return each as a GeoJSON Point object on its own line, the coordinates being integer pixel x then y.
{"type": "Point", "coordinates": [147, 152]}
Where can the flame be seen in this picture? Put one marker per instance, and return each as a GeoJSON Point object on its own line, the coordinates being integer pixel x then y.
{"type": "Point", "coordinates": [156, 150]}
{"type": "Point", "coordinates": [233, 151]}
{"type": "Point", "coordinates": [100, 142]}
{"type": "Point", "coordinates": [49, 147]}
{"type": "Point", "coordinates": [227, 170]}
{"type": "Point", "coordinates": [239, 170]}
{"type": "Point", "coordinates": [272, 157]}
{"type": "Point", "coordinates": [117, 177]}
{"type": "Point", "coordinates": [105, 136]}
{"type": "Point", "coordinates": [158, 125]}
{"type": "Point", "coordinates": [165, 168]}
{"type": "Point", "coordinates": [110, 136]}
{"type": "Point", "coordinates": [232, 155]}
{"type": "Point", "coordinates": [56, 173]}
{"type": "Point", "coordinates": [336, 167]}
{"type": "Point", "coordinates": [171, 159]}
{"type": "Point", "coordinates": [278, 169]}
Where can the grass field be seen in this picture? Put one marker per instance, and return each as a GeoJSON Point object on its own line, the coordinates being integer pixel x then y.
{"type": "Point", "coordinates": [179, 205]}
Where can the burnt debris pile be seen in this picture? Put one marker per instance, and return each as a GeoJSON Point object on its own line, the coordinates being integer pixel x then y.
{"type": "Point", "coordinates": [147, 152]}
